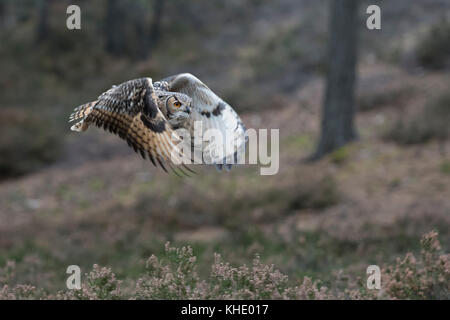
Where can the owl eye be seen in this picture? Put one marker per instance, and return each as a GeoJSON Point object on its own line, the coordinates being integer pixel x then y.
{"type": "Point", "coordinates": [177, 104]}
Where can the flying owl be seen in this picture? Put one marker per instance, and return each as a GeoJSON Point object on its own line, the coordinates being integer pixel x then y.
{"type": "Point", "coordinates": [147, 115]}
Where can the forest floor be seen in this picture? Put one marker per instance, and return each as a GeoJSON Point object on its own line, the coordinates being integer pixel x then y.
{"type": "Point", "coordinates": [367, 203]}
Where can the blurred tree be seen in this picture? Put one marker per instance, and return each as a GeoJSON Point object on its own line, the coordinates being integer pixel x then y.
{"type": "Point", "coordinates": [338, 109]}
{"type": "Point", "coordinates": [128, 30]}
{"type": "Point", "coordinates": [140, 25]}
{"type": "Point", "coordinates": [42, 29]}
{"type": "Point", "coordinates": [2, 13]}
{"type": "Point", "coordinates": [155, 28]}
{"type": "Point", "coordinates": [113, 27]}
{"type": "Point", "coordinates": [148, 35]}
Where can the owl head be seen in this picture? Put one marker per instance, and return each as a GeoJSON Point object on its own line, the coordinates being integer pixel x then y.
{"type": "Point", "coordinates": [175, 106]}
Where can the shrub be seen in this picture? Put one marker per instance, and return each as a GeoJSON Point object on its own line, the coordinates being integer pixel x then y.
{"type": "Point", "coordinates": [319, 195]}
{"type": "Point", "coordinates": [101, 285]}
{"type": "Point", "coordinates": [19, 292]}
{"type": "Point", "coordinates": [445, 167]}
{"type": "Point", "coordinates": [15, 292]}
{"type": "Point", "coordinates": [375, 99]}
{"type": "Point", "coordinates": [433, 49]}
{"type": "Point", "coordinates": [174, 276]}
{"type": "Point", "coordinates": [27, 142]}
{"type": "Point", "coordinates": [431, 123]}
{"type": "Point", "coordinates": [425, 278]}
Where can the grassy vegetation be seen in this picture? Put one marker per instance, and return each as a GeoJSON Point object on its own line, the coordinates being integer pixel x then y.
{"type": "Point", "coordinates": [445, 167]}
{"type": "Point", "coordinates": [174, 275]}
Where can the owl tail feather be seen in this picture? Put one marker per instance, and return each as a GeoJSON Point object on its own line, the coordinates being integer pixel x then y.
{"type": "Point", "coordinates": [81, 112]}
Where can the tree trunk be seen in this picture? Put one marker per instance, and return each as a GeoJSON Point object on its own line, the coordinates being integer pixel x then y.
{"type": "Point", "coordinates": [2, 13]}
{"type": "Point", "coordinates": [113, 28]}
{"type": "Point", "coordinates": [155, 28]}
{"type": "Point", "coordinates": [140, 26]}
{"type": "Point", "coordinates": [338, 109]}
{"type": "Point", "coordinates": [42, 24]}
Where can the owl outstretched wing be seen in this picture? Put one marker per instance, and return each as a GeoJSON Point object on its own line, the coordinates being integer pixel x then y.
{"type": "Point", "coordinates": [130, 111]}
{"type": "Point", "coordinates": [212, 113]}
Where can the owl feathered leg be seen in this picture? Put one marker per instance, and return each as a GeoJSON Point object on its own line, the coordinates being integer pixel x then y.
{"type": "Point", "coordinates": [79, 126]}
{"type": "Point", "coordinates": [81, 112]}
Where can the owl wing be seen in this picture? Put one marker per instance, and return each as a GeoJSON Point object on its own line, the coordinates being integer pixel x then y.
{"type": "Point", "coordinates": [213, 113]}
{"type": "Point", "coordinates": [130, 111]}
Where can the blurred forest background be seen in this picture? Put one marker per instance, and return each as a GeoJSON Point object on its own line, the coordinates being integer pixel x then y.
{"type": "Point", "coordinates": [87, 199]}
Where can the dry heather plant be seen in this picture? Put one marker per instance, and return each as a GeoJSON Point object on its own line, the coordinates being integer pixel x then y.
{"type": "Point", "coordinates": [101, 284]}
{"type": "Point", "coordinates": [174, 276]}
{"type": "Point", "coordinates": [425, 278]}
